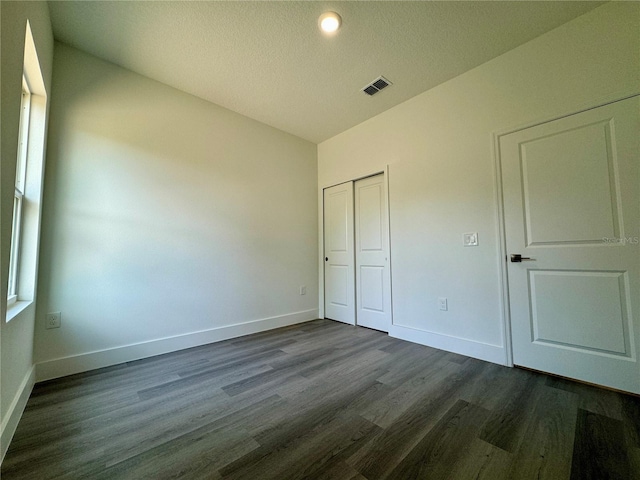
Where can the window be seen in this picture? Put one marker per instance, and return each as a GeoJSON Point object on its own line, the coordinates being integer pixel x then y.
{"type": "Point", "coordinates": [18, 199]}
{"type": "Point", "coordinates": [31, 123]}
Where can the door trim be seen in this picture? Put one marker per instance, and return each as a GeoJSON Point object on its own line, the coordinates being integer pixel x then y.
{"type": "Point", "coordinates": [321, 299]}
{"type": "Point", "coordinates": [499, 201]}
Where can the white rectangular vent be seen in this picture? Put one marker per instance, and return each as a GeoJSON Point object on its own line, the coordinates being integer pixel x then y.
{"type": "Point", "coordinates": [377, 85]}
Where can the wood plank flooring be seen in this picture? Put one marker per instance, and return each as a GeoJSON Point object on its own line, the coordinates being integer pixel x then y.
{"type": "Point", "coordinates": [322, 400]}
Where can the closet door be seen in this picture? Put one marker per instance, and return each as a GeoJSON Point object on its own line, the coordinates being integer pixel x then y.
{"type": "Point", "coordinates": [373, 279]}
{"type": "Point", "coordinates": [339, 265]}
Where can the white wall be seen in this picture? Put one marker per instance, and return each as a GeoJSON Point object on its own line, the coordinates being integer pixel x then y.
{"type": "Point", "coordinates": [168, 220]}
{"type": "Point", "coordinates": [16, 345]}
{"type": "Point", "coordinates": [442, 180]}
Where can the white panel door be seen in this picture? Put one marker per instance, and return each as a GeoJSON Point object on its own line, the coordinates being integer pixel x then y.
{"type": "Point", "coordinates": [339, 266]}
{"type": "Point", "coordinates": [572, 206]}
{"type": "Point", "coordinates": [373, 281]}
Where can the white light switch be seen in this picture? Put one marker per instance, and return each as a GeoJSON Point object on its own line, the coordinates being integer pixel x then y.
{"type": "Point", "coordinates": [470, 239]}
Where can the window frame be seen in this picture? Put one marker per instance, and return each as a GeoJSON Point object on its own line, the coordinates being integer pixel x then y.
{"type": "Point", "coordinates": [19, 193]}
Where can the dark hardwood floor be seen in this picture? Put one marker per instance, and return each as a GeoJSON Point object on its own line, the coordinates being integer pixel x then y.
{"type": "Point", "coordinates": [323, 400]}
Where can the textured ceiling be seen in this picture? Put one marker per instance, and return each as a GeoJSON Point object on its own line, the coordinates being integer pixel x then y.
{"type": "Point", "coordinates": [268, 61]}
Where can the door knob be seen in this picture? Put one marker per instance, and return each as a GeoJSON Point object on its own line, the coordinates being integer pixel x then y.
{"type": "Point", "coordinates": [517, 258]}
{"type": "Point", "coordinates": [326, 259]}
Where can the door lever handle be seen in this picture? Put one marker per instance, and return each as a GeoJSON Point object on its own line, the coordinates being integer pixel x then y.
{"type": "Point", "coordinates": [517, 258]}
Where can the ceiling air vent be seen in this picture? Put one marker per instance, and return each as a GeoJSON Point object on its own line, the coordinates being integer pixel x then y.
{"type": "Point", "coordinates": [377, 85]}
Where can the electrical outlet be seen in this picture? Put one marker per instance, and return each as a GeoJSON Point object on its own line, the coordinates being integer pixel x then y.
{"type": "Point", "coordinates": [53, 320]}
{"type": "Point", "coordinates": [442, 304]}
{"type": "Point", "coordinates": [303, 290]}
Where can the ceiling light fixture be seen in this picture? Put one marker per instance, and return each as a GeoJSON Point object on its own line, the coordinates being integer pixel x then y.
{"type": "Point", "coordinates": [329, 22]}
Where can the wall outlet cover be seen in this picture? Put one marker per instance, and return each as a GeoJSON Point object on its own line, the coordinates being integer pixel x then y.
{"type": "Point", "coordinates": [443, 304]}
{"type": "Point", "coordinates": [53, 320]}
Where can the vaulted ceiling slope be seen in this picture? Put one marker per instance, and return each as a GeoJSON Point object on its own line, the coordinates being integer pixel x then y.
{"type": "Point", "coordinates": [268, 60]}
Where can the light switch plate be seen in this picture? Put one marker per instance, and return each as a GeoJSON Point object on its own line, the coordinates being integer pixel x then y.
{"type": "Point", "coordinates": [470, 239]}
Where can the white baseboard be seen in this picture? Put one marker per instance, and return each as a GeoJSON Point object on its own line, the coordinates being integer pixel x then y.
{"type": "Point", "coordinates": [469, 348]}
{"type": "Point", "coordinates": [14, 413]}
{"type": "Point", "coordinates": [60, 367]}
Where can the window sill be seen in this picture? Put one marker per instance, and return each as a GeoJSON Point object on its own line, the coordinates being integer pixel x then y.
{"type": "Point", "coordinates": [16, 308]}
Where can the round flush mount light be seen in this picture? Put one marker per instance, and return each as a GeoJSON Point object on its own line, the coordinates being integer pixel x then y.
{"type": "Point", "coordinates": [329, 22]}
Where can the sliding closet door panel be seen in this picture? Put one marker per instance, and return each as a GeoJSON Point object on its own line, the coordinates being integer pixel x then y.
{"type": "Point", "coordinates": [339, 288]}
{"type": "Point", "coordinates": [373, 280]}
